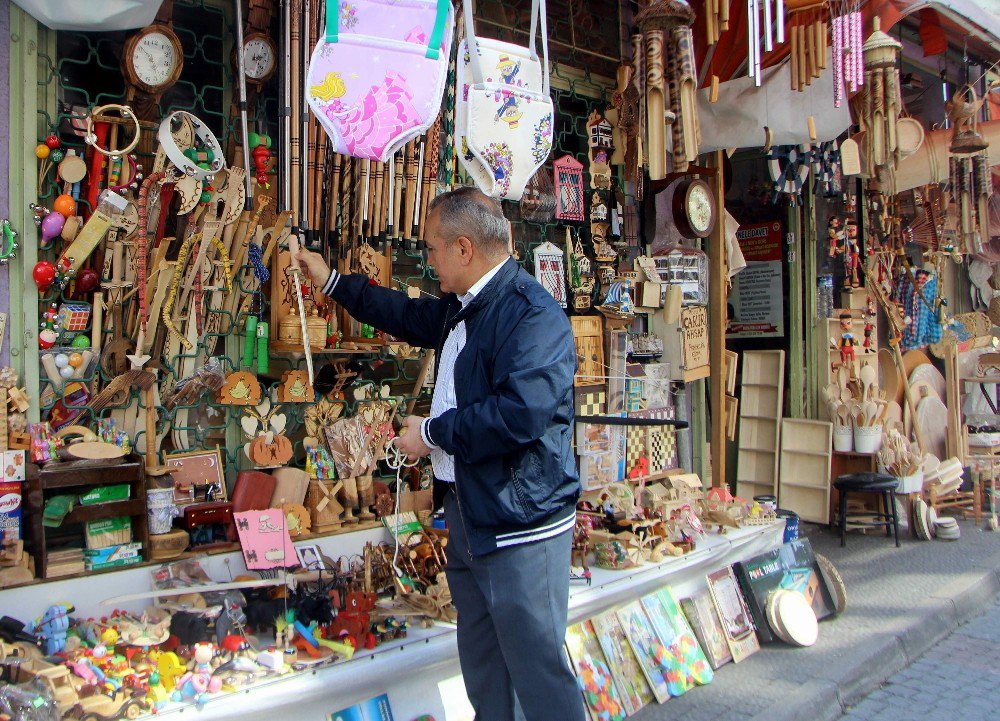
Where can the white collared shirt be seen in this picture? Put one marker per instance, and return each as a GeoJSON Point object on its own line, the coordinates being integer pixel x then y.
{"type": "Point", "coordinates": [444, 398]}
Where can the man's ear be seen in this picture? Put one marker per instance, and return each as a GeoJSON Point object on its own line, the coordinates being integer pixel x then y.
{"type": "Point", "coordinates": [465, 248]}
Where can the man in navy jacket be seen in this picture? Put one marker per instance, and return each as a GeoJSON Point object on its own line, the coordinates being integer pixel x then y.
{"type": "Point", "coordinates": [499, 435]}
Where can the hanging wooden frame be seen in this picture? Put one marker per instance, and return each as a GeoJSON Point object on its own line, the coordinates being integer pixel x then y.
{"type": "Point", "coordinates": [568, 176]}
{"type": "Point", "coordinates": [550, 270]}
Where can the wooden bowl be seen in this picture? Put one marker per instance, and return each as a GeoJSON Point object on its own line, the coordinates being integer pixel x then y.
{"type": "Point", "coordinates": [165, 546]}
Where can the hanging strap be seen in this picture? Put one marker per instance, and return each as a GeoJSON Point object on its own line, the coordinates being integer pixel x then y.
{"type": "Point", "coordinates": [433, 43]}
{"type": "Point", "coordinates": [537, 11]}
{"type": "Point", "coordinates": [332, 20]}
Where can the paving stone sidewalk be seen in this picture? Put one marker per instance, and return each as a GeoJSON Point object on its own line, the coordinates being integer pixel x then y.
{"type": "Point", "coordinates": [901, 602]}
{"type": "Point", "coordinates": [959, 677]}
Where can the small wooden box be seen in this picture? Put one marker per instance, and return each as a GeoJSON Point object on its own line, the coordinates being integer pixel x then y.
{"type": "Point", "coordinates": [650, 295]}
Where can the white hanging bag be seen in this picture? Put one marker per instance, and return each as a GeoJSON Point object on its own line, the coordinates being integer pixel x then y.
{"type": "Point", "coordinates": [503, 112]}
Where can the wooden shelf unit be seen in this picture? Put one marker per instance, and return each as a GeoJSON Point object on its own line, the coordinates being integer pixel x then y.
{"type": "Point", "coordinates": [761, 408]}
{"type": "Point", "coordinates": [804, 474]}
{"type": "Point", "coordinates": [76, 478]}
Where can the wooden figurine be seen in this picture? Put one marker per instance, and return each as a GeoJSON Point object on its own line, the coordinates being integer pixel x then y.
{"type": "Point", "coordinates": [295, 388]}
{"type": "Point", "coordinates": [847, 341]}
{"type": "Point", "coordinates": [240, 389]}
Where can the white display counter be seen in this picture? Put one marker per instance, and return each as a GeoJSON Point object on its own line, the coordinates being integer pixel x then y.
{"type": "Point", "coordinates": [410, 670]}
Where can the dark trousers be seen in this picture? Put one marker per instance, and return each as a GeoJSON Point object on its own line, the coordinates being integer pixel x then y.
{"type": "Point", "coordinates": [512, 607]}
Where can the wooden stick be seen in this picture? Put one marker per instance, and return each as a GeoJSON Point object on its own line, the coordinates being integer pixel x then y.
{"type": "Point", "coordinates": [377, 210]}
{"type": "Point", "coordinates": [333, 197]}
{"type": "Point", "coordinates": [411, 188]}
{"type": "Point", "coordinates": [294, 147]}
{"type": "Point", "coordinates": [397, 197]}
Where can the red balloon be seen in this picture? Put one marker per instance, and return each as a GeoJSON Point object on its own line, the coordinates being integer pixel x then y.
{"type": "Point", "coordinates": [86, 280]}
{"type": "Point", "coordinates": [44, 275]}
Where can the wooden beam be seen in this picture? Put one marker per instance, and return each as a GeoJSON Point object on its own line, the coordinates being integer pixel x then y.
{"type": "Point", "coordinates": [717, 304]}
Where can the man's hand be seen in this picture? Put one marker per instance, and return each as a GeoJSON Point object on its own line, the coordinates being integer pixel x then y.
{"type": "Point", "coordinates": [314, 266]}
{"type": "Point", "coordinates": [410, 441]}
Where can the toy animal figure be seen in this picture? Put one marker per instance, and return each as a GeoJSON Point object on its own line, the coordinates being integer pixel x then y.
{"type": "Point", "coordinates": [170, 668]}
{"type": "Point", "coordinates": [195, 684]}
{"type": "Point", "coordinates": [353, 622]}
{"type": "Point", "coordinates": [52, 626]}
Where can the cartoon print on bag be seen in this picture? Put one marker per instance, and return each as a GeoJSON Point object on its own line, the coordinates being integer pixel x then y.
{"type": "Point", "coordinates": [543, 140]}
{"type": "Point", "coordinates": [510, 109]}
{"type": "Point", "coordinates": [509, 69]}
{"type": "Point", "coordinates": [501, 161]}
{"type": "Point", "coordinates": [377, 118]}
{"type": "Point", "coordinates": [332, 87]}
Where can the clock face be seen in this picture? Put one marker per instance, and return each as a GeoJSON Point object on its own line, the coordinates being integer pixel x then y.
{"type": "Point", "coordinates": [258, 58]}
{"type": "Point", "coordinates": [155, 58]}
{"type": "Point", "coordinates": [700, 208]}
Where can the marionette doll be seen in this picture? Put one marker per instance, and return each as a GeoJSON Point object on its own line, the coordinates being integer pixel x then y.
{"type": "Point", "coordinates": [852, 256]}
{"type": "Point", "coordinates": [847, 341]}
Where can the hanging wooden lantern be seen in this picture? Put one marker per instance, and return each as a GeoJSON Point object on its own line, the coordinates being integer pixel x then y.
{"type": "Point", "coordinates": [568, 172]}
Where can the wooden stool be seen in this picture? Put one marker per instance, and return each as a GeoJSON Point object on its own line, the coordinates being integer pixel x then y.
{"type": "Point", "coordinates": [869, 483]}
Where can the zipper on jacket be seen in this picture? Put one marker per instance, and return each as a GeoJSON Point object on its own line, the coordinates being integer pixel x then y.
{"type": "Point", "coordinates": [461, 517]}
{"type": "Point", "coordinates": [445, 330]}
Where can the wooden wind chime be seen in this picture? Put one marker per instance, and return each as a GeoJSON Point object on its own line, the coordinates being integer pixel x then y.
{"type": "Point", "coordinates": [808, 42]}
{"type": "Point", "coordinates": [671, 85]}
{"type": "Point", "coordinates": [882, 100]}
{"type": "Point", "coordinates": [716, 13]}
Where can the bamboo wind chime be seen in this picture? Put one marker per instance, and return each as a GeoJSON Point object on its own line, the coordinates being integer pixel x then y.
{"type": "Point", "coordinates": [882, 98]}
{"type": "Point", "coordinates": [717, 19]}
{"type": "Point", "coordinates": [671, 85]}
{"type": "Point", "coordinates": [807, 42]}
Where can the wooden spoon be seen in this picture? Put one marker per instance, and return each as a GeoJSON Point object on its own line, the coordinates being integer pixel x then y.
{"type": "Point", "coordinates": [869, 377]}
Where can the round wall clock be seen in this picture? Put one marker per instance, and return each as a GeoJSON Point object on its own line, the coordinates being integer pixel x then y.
{"type": "Point", "coordinates": [153, 59]}
{"type": "Point", "coordinates": [694, 208]}
{"type": "Point", "coordinates": [260, 58]}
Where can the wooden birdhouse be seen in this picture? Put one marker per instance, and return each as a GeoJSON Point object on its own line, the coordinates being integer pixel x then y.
{"type": "Point", "coordinates": [568, 173]}
{"type": "Point", "coordinates": [600, 133]}
{"type": "Point", "coordinates": [550, 270]}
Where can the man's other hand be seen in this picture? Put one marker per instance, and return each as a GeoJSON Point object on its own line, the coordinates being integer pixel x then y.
{"type": "Point", "coordinates": [410, 441]}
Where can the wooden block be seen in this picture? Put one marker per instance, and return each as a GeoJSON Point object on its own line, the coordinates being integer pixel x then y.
{"type": "Point", "coordinates": [588, 334]}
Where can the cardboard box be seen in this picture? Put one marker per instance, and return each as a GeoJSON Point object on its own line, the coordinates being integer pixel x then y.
{"type": "Point", "coordinates": [113, 554]}
{"type": "Point", "coordinates": [106, 494]}
{"type": "Point", "coordinates": [13, 465]}
{"type": "Point", "coordinates": [10, 508]}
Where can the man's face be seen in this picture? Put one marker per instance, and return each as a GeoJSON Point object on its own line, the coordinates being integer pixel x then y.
{"type": "Point", "coordinates": [445, 255]}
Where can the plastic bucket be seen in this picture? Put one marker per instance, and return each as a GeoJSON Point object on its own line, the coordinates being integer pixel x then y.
{"type": "Point", "coordinates": [843, 439]}
{"type": "Point", "coordinates": [791, 525]}
{"type": "Point", "coordinates": [867, 439]}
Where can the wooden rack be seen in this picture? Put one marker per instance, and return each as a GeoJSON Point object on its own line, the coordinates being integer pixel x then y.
{"type": "Point", "coordinates": [77, 477]}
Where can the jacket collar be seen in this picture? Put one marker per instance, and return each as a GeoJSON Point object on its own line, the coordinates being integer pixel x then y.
{"type": "Point", "coordinates": [484, 297]}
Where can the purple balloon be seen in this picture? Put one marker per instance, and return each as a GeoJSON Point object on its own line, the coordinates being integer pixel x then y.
{"type": "Point", "coordinates": [51, 227]}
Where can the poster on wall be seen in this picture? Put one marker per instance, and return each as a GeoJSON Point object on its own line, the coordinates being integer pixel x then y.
{"type": "Point", "coordinates": [756, 307]}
